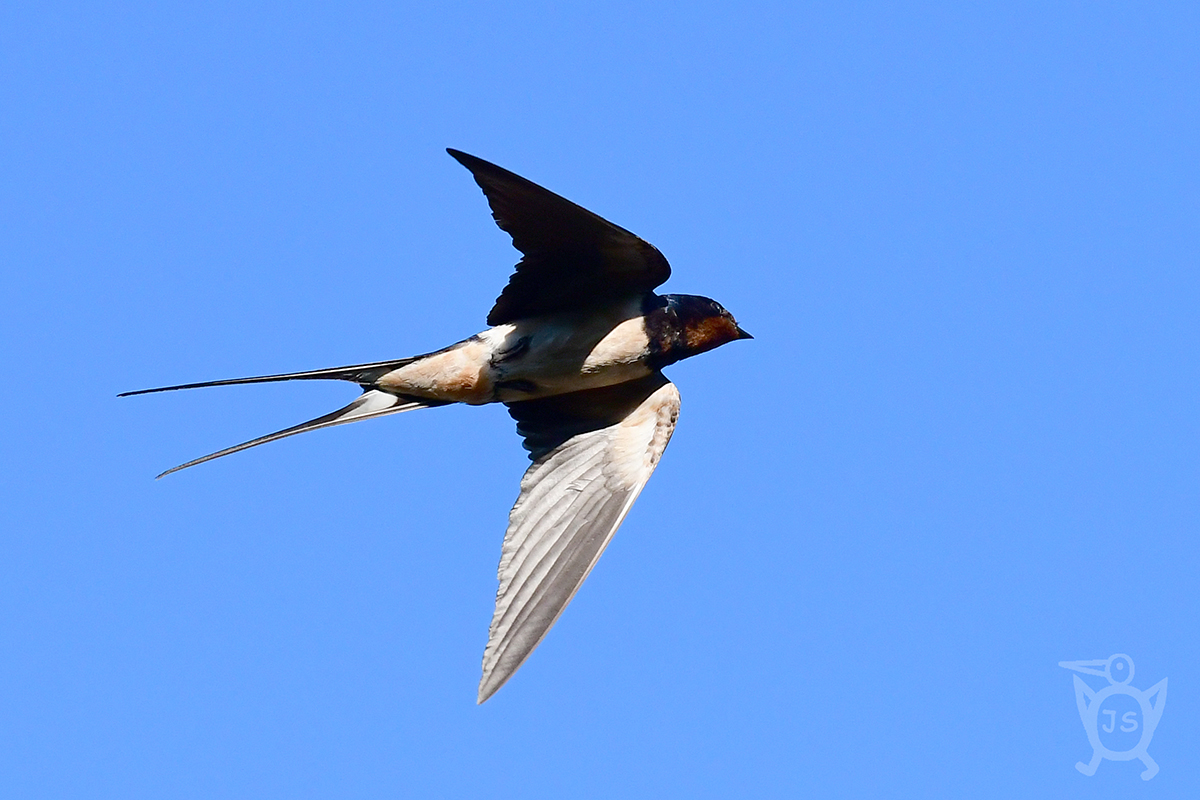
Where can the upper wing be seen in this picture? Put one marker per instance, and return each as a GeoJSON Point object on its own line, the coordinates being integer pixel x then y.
{"type": "Point", "coordinates": [1156, 708]}
{"type": "Point", "coordinates": [1083, 698]}
{"type": "Point", "coordinates": [572, 257]}
{"type": "Point", "coordinates": [592, 452]}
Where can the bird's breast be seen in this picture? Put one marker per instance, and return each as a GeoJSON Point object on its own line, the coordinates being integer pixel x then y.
{"type": "Point", "coordinates": [624, 344]}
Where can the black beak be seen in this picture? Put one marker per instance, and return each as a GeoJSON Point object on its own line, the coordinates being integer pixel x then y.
{"type": "Point", "coordinates": [742, 334]}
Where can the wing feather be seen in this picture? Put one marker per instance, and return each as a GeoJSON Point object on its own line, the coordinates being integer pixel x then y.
{"type": "Point", "coordinates": [572, 257]}
{"type": "Point", "coordinates": [573, 498]}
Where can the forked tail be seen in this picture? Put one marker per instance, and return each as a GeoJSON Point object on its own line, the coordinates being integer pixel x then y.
{"type": "Point", "coordinates": [371, 403]}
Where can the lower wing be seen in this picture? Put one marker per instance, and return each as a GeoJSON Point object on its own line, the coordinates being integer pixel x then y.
{"type": "Point", "coordinates": [592, 452]}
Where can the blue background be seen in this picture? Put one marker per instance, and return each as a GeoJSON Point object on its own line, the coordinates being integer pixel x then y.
{"type": "Point", "coordinates": [962, 447]}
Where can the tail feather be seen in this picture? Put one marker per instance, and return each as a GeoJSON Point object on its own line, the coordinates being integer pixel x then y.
{"type": "Point", "coordinates": [363, 374]}
{"type": "Point", "coordinates": [371, 403]}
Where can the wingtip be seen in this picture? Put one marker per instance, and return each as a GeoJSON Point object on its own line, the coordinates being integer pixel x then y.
{"type": "Point", "coordinates": [489, 684]}
{"type": "Point", "coordinates": [475, 163]}
{"type": "Point", "coordinates": [485, 692]}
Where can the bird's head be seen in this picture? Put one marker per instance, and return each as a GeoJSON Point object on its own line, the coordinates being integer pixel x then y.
{"type": "Point", "coordinates": [690, 325]}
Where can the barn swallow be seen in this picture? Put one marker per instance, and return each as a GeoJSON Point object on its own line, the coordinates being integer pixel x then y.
{"type": "Point", "coordinates": [575, 349]}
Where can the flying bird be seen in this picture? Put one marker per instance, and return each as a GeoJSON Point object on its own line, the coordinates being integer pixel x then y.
{"type": "Point", "coordinates": [575, 349]}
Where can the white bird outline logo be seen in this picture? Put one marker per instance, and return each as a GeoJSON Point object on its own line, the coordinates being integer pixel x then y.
{"type": "Point", "coordinates": [1118, 669]}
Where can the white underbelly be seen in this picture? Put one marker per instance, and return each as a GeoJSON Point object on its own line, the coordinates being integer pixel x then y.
{"type": "Point", "coordinates": [532, 358]}
{"type": "Point", "coordinates": [565, 356]}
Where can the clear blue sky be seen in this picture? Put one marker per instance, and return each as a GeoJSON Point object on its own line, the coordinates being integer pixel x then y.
{"type": "Point", "coordinates": [964, 445]}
